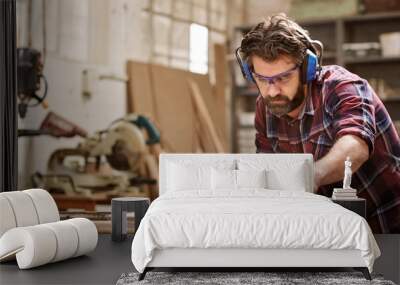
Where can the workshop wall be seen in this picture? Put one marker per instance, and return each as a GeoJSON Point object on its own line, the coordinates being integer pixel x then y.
{"type": "Point", "coordinates": [80, 35]}
{"type": "Point", "coordinates": [256, 10]}
{"type": "Point", "coordinates": [87, 45]}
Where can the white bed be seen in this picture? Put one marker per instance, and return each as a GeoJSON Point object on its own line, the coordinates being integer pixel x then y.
{"type": "Point", "coordinates": [201, 223]}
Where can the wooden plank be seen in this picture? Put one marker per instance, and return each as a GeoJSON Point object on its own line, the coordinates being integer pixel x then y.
{"type": "Point", "coordinates": [204, 116]}
{"type": "Point", "coordinates": [156, 150]}
{"type": "Point", "coordinates": [221, 72]}
{"type": "Point", "coordinates": [198, 147]}
{"type": "Point", "coordinates": [74, 202]}
{"type": "Point", "coordinates": [152, 172]}
{"type": "Point", "coordinates": [140, 94]}
{"type": "Point", "coordinates": [205, 143]}
{"type": "Point", "coordinates": [142, 172]}
{"type": "Point", "coordinates": [209, 98]}
{"type": "Point", "coordinates": [203, 82]}
{"type": "Point", "coordinates": [175, 114]}
{"type": "Point", "coordinates": [162, 94]}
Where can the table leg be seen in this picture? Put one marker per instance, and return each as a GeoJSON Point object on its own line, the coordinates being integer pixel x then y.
{"type": "Point", "coordinates": [116, 216]}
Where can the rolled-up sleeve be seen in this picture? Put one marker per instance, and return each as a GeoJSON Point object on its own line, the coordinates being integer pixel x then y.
{"type": "Point", "coordinates": [354, 112]}
{"type": "Point", "coordinates": [261, 141]}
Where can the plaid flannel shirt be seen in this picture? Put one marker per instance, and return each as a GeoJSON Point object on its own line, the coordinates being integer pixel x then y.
{"type": "Point", "coordinates": [342, 103]}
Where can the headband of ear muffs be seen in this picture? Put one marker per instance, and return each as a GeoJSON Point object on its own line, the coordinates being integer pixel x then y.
{"type": "Point", "coordinates": [244, 66]}
{"type": "Point", "coordinates": [313, 59]}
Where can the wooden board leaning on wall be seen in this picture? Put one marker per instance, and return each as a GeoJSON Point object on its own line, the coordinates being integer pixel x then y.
{"type": "Point", "coordinates": [164, 95]}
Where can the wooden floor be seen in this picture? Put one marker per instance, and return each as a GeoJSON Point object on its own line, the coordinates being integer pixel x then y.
{"type": "Point", "coordinates": [102, 266]}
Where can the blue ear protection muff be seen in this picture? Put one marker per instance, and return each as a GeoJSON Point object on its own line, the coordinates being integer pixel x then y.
{"type": "Point", "coordinates": [309, 67]}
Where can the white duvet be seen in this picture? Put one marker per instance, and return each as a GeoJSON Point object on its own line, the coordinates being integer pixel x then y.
{"type": "Point", "coordinates": [253, 218]}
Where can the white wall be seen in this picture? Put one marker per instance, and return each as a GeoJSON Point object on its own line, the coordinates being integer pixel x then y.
{"type": "Point", "coordinates": [97, 35]}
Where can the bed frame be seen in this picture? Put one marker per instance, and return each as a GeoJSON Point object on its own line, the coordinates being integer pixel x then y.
{"type": "Point", "coordinates": [242, 259]}
{"type": "Point", "coordinates": [246, 258]}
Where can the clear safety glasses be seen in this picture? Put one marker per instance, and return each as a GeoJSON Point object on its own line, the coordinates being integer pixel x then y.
{"type": "Point", "coordinates": [278, 80]}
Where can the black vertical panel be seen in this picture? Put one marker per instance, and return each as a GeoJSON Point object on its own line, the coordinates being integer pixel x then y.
{"type": "Point", "coordinates": [8, 97]}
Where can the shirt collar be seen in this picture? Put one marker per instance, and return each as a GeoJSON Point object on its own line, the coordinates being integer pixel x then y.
{"type": "Point", "coordinates": [308, 106]}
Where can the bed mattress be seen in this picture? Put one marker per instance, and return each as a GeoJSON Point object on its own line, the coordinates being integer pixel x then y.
{"type": "Point", "coordinates": [251, 219]}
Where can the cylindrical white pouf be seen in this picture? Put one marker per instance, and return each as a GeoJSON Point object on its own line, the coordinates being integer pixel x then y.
{"type": "Point", "coordinates": [23, 208]}
{"type": "Point", "coordinates": [87, 234]}
{"type": "Point", "coordinates": [7, 218]}
{"type": "Point", "coordinates": [67, 239]}
{"type": "Point", "coordinates": [36, 245]}
{"type": "Point", "coordinates": [45, 205]}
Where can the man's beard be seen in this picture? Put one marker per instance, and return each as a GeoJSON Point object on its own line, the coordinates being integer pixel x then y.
{"type": "Point", "coordinates": [285, 105]}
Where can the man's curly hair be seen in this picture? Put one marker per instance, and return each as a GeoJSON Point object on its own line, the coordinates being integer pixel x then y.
{"type": "Point", "coordinates": [276, 36]}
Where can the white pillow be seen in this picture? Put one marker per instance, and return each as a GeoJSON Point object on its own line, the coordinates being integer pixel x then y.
{"type": "Point", "coordinates": [193, 174]}
{"type": "Point", "coordinates": [292, 178]}
{"type": "Point", "coordinates": [251, 178]}
{"type": "Point", "coordinates": [182, 177]}
{"type": "Point", "coordinates": [223, 179]}
{"type": "Point", "coordinates": [235, 179]}
{"type": "Point", "coordinates": [281, 174]}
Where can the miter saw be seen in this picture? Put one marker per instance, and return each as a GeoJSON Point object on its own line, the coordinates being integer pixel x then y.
{"type": "Point", "coordinates": [111, 161]}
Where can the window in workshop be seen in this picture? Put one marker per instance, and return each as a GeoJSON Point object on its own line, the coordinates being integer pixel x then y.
{"type": "Point", "coordinates": [198, 49]}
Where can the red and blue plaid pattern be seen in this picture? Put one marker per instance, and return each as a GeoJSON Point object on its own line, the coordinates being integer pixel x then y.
{"type": "Point", "coordinates": [342, 103]}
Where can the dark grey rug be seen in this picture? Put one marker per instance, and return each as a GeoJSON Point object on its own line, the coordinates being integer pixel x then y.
{"type": "Point", "coordinates": [229, 278]}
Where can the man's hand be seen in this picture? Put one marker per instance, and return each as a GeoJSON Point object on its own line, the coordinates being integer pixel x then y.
{"type": "Point", "coordinates": [330, 168]}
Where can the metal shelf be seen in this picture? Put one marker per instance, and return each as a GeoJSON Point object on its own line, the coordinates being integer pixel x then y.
{"type": "Point", "coordinates": [372, 59]}
{"type": "Point", "coordinates": [373, 17]}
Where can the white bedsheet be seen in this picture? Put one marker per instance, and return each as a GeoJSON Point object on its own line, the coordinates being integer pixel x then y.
{"type": "Point", "coordinates": [252, 218]}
